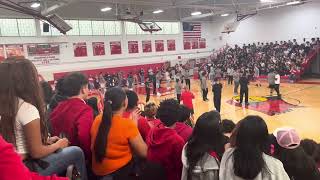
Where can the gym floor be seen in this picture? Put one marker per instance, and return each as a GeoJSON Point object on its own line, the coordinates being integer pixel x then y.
{"type": "Point", "coordinates": [299, 107]}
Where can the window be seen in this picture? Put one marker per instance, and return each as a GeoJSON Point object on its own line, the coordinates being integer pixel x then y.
{"type": "Point", "coordinates": [26, 27]}
{"type": "Point", "coordinates": [85, 28]}
{"type": "Point", "coordinates": [9, 27]}
{"type": "Point", "coordinates": [75, 27]}
{"type": "Point", "coordinates": [97, 28]}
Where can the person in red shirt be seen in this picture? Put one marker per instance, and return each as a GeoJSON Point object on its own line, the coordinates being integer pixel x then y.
{"type": "Point", "coordinates": [11, 166]}
{"type": "Point", "coordinates": [164, 144]}
{"type": "Point", "coordinates": [186, 98]}
{"type": "Point", "coordinates": [149, 121]}
{"type": "Point", "coordinates": [73, 117]}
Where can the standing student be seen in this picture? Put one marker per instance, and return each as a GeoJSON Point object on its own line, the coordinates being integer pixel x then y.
{"type": "Point", "coordinates": [277, 83]}
{"type": "Point", "coordinates": [248, 158]}
{"type": "Point", "coordinates": [147, 86]}
{"type": "Point", "coordinates": [272, 81]}
{"type": "Point", "coordinates": [257, 75]}
{"type": "Point", "coordinates": [178, 88]}
{"type": "Point", "coordinates": [130, 81]}
{"type": "Point", "coordinates": [167, 76]}
{"type": "Point", "coordinates": [244, 90]}
{"type": "Point", "coordinates": [187, 77]}
{"type": "Point", "coordinates": [236, 79]}
{"type": "Point", "coordinates": [230, 73]}
{"type": "Point", "coordinates": [23, 122]}
{"type": "Point", "coordinates": [186, 97]}
{"type": "Point", "coordinates": [204, 87]}
{"type": "Point", "coordinates": [216, 89]}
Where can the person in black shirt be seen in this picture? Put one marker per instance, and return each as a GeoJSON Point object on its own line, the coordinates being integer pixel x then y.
{"type": "Point", "coordinates": [216, 89]}
{"type": "Point", "coordinates": [147, 85]}
{"type": "Point", "coordinates": [244, 90]}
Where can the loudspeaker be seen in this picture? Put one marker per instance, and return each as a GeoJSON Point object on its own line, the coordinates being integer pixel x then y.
{"type": "Point", "coordinates": [45, 27]}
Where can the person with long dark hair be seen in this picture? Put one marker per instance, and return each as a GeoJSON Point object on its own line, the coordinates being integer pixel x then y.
{"type": "Point", "coordinates": [202, 153]}
{"type": "Point", "coordinates": [248, 158]}
{"type": "Point", "coordinates": [312, 148]}
{"type": "Point", "coordinates": [23, 123]}
{"type": "Point", "coordinates": [114, 139]}
{"type": "Point", "coordinates": [296, 162]}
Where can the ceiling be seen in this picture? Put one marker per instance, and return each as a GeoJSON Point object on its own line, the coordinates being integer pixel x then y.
{"type": "Point", "coordinates": [173, 9]}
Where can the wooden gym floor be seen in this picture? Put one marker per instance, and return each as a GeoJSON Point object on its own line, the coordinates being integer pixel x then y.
{"type": "Point", "coordinates": [299, 109]}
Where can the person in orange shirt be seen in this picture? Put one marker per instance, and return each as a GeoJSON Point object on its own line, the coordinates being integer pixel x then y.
{"type": "Point", "coordinates": [114, 138]}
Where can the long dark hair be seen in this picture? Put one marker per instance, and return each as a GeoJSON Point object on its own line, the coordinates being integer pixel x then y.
{"type": "Point", "coordinates": [19, 79]}
{"type": "Point", "coordinates": [206, 136]}
{"type": "Point", "coordinates": [297, 163]}
{"type": "Point", "coordinates": [250, 143]}
{"type": "Point", "coordinates": [114, 101]}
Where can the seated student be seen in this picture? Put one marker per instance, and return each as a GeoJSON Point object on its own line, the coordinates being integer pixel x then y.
{"type": "Point", "coordinates": [227, 127]}
{"type": "Point", "coordinates": [93, 103]}
{"type": "Point", "coordinates": [47, 91]}
{"type": "Point", "coordinates": [12, 167]}
{"type": "Point", "coordinates": [202, 153]}
{"type": "Point", "coordinates": [164, 144]}
{"type": "Point", "coordinates": [58, 95]}
{"type": "Point", "coordinates": [312, 149]}
{"type": "Point", "coordinates": [296, 162]}
{"type": "Point", "coordinates": [150, 121]}
{"type": "Point", "coordinates": [133, 100]}
{"type": "Point", "coordinates": [248, 158]}
{"type": "Point", "coordinates": [181, 127]}
{"type": "Point", "coordinates": [23, 123]}
{"type": "Point", "coordinates": [73, 117]}
{"type": "Point", "coordinates": [185, 115]}
{"type": "Point", "coordinates": [114, 139]}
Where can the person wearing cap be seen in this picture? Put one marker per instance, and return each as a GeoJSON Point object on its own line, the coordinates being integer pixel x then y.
{"type": "Point", "coordinates": [298, 165]}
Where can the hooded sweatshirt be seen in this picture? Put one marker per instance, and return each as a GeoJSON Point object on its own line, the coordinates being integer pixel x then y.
{"type": "Point", "coordinates": [165, 147]}
{"type": "Point", "coordinates": [183, 130]}
{"type": "Point", "coordinates": [74, 118]}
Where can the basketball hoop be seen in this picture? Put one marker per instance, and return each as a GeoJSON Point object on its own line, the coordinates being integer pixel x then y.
{"type": "Point", "coordinates": [149, 27]}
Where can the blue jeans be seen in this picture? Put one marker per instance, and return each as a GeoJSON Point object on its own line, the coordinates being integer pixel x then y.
{"type": "Point", "coordinates": [59, 162]}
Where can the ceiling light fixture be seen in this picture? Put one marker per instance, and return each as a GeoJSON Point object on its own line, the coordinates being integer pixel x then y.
{"type": "Point", "coordinates": [106, 9]}
{"type": "Point", "coordinates": [196, 13]}
{"type": "Point", "coordinates": [266, 1]}
{"type": "Point", "coordinates": [293, 3]}
{"type": "Point", "coordinates": [35, 5]}
{"type": "Point", "coordinates": [157, 11]}
{"type": "Point", "coordinates": [224, 15]}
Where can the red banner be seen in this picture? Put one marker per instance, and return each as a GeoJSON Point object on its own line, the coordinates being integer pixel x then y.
{"type": "Point", "coordinates": [195, 43]}
{"type": "Point", "coordinates": [14, 50]}
{"type": "Point", "coordinates": [133, 47]}
{"type": "Point", "coordinates": [2, 53]}
{"type": "Point", "coordinates": [146, 46]}
{"type": "Point", "coordinates": [159, 45]}
{"type": "Point", "coordinates": [115, 47]}
{"type": "Point", "coordinates": [202, 43]}
{"type": "Point", "coordinates": [98, 49]}
{"type": "Point", "coordinates": [186, 44]}
{"type": "Point", "coordinates": [171, 45]}
{"type": "Point", "coordinates": [80, 49]}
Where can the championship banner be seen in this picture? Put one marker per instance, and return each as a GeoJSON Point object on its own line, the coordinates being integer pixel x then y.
{"type": "Point", "coordinates": [171, 45]}
{"type": "Point", "coordinates": [195, 43]}
{"type": "Point", "coordinates": [202, 43]}
{"type": "Point", "coordinates": [2, 57]}
{"type": "Point", "coordinates": [186, 44]}
{"type": "Point", "coordinates": [133, 47]}
{"type": "Point", "coordinates": [98, 49]}
{"type": "Point", "coordinates": [159, 45]}
{"type": "Point", "coordinates": [115, 47]}
{"type": "Point", "coordinates": [80, 49]}
{"type": "Point", "coordinates": [14, 50]}
{"type": "Point", "coordinates": [44, 54]}
{"type": "Point", "coordinates": [146, 46]}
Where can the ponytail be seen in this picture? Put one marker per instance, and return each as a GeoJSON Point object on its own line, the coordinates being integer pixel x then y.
{"type": "Point", "coordinates": [102, 135]}
{"type": "Point", "coordinates": [114, 101]}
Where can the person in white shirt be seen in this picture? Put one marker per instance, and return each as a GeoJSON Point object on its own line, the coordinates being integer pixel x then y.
{"type": "Point", "coordinates": [23, 122]}
{"type": "Point", "coordinates": [248, 159]}
{"type": "Point", "coordinates": [277, 84]}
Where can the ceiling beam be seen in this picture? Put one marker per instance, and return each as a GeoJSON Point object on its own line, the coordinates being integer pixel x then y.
{"type": "Point", "coordinates": [128, 2]}
{"type": "Point", "coordinates": [54, 7]}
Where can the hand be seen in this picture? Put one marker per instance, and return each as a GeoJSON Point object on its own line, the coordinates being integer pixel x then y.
{"type": "Point", "coordinates": [136, 115]}
{"type": "Point", "coordinates": [52, 140]}
{"type": "Point", "coordinates": [62, 143]}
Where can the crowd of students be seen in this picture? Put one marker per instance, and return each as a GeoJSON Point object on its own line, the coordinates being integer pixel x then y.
{"type": "Point", "coordinates": [44, 139]}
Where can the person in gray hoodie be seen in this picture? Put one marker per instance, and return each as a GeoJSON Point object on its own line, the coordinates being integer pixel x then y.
{"type": "Point", "coordinates": [202, 153]}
